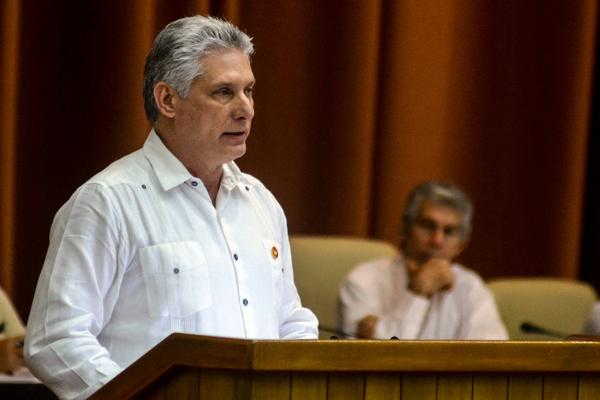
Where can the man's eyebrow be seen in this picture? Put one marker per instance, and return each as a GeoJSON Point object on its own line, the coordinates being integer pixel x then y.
{"type": "Point", "coordinates": [433, 221]}
{"type": "Point", "coordinates": [227, 82]}
{"type": "Point", "coordinates": [221, 83]}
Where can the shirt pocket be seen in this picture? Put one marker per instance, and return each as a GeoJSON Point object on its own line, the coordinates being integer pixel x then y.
{"type": "Point", "coordinates": [176, 278]}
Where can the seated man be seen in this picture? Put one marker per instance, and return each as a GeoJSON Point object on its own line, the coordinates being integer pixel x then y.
{"type": "Point", "coordinates": [422, 294]}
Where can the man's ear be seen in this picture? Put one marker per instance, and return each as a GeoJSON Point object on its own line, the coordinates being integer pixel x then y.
{"type": "Point", "coordinates": [166, 98]}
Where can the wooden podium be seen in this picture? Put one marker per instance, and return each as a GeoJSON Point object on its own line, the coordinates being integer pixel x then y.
{"type": "Point", "coordinates": [186, 367]}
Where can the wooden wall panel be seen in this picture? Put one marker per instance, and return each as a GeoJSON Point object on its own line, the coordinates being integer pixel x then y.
{"type": "Point", "coordinates": [346, 387]}
{"type": "Point", "coordinates": [419, 387]}
{"type": "Point", "coordinates": [187, 384]}
{"type": "Point", "coordinates": [184, 386]}
{"type": "Point", "coordinates": [180, 383]}
{"type": "Point", "coordinates": [383, 386]}
{"type": "Point", "coordinates": [560, 387]}
{"type": "Point", "coordinates": [525, 388]}
{"type": "Point", "coordinates": [490, 387]}
{"type": "Point", "coordinates": [273, 386]}
{"type": "Point", "coordinates": [454, 387]}
{"type": "Point", "coordinates": [589, 387]}
{"type": "Point", "coordinates": [222, 385]}
{"type": "Point", "coordinates": [309, 386]}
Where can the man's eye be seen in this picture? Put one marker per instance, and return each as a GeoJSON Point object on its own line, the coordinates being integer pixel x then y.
{"type": "Point", "coordinates": [222, 92]}
{"type": "Point", "coordinates": [451, 230]}
{"type": "Point", "coordinates": [427, 224]}
{"type": "Point", "coordinates": [249, 91]}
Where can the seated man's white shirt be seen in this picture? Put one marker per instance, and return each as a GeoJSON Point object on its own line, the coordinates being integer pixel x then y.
{"type": "Point", "coordinates": [139, 252]}
{"type": "Point", "coordinates": [466, 311]}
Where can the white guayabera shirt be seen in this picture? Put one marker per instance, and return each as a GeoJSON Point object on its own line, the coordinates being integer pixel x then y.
{"type": "Point", "coordinates": [139, 252]}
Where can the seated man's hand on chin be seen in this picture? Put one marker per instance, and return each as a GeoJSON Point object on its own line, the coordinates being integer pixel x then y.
{"type": "Point", "coordinates": [366, 327]}
{"type": "Point", "coordinates": [429, 277]}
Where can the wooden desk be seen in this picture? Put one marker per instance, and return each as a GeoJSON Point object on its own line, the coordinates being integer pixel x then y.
{"type": "Point", "coordinates": [197, 367]}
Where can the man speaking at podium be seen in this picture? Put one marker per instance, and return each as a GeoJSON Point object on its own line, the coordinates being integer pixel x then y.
{"type": "Point", "coordinates": [422, 294]}
{"type": "Point", "coordinates": [173, 237]}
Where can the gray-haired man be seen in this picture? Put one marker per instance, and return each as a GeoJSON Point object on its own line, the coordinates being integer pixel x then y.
{"type": "Point", "coordinates": [422, 294]}
{"type": "Point", "coordinates": [172, 237]}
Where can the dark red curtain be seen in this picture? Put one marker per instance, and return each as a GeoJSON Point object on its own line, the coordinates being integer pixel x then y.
{"type": "Point", "coordinates": [357, 101]}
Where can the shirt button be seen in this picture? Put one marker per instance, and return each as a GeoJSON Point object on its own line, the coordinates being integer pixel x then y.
{"type": "Point", "coordinates": [143, 186]}
{"type": "Point", "coordinates": [194, 183]}
{"type": "Point", "coordinates": [274, 252]}
{"type": "Point", "coordinates": [245, 301]}
{"type": "Point", "coordinates": [235, 257]}
{"type": "Point", "coordinates": [176, 270]}
{"type": "Point", "coordinates": [247, 188]}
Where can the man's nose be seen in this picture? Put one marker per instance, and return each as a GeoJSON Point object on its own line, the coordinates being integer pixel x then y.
{"type": "Point", "coordinates": [437, 237]}
{"type": "Point", "coordinates": [244, 107]}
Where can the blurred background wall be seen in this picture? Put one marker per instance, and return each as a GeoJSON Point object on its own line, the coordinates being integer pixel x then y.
{"type": "Point", "coordinates": [356, 102]}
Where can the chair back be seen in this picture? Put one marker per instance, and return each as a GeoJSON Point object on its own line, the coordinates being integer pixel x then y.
{"type": "Point", "coordinates": [557, 305]}
{"type": "Point", "coordinates": [320, 264]}
{"type": "Point", "coordinates": [10, 322]}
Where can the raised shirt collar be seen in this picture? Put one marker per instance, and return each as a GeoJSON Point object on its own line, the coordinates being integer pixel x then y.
{"type": "Point", "coordinates": [171, 172]}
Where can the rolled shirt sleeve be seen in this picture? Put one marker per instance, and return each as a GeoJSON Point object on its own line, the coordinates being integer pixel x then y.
{"type": "Point", "coordinates": [71, 303]}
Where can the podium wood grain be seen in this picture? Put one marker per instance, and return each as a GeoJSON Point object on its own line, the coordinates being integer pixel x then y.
{"type": "Point", "coordinates": [196, 367]}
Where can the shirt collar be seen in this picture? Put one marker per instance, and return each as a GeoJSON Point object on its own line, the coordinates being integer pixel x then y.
{"type": "Point", "coordinates": [168, 169]}
{"type": "Point", "coordinates": [171, 172]}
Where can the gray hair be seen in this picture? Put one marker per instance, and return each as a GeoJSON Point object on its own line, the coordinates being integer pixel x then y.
{"type": "Point", "coordinates": [441, 194]}
{"type": "Point", "coordinates": [177, 50]}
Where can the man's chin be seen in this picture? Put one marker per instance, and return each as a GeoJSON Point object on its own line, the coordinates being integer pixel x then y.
{"type": "Point", "coordinates": [235, 152]}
